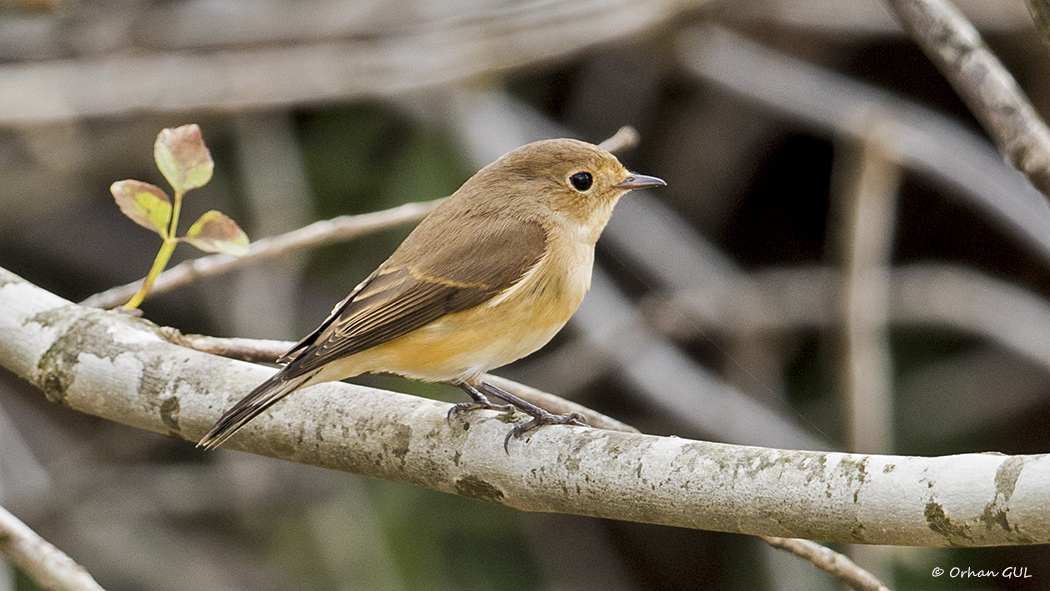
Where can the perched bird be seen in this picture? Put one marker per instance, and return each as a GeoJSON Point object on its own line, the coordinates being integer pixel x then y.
{"type": "Point", "coordinates": [490, 276]}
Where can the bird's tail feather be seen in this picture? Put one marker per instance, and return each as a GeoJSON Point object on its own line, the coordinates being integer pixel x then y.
{"type": "Point", "coordinates": [261, 398]}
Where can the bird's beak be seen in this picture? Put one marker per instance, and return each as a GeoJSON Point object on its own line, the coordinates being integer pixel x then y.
{"type": "Point", "coordinates": [639, 181]}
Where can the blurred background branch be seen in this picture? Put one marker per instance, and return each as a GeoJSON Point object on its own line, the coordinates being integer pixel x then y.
{"type": "Point", "coordinates": [247, 55]}
{"type": "Point", "coordinates": [48, 566]}
{"type": "Point", "coordinates": [992, 94]}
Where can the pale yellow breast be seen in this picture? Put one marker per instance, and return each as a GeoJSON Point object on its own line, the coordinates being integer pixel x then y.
{"type": "Point", "coordinates": [461, 346]}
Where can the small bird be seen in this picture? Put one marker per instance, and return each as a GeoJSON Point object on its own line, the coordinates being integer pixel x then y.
{"type": "Point", "coordinates": [490, 276]}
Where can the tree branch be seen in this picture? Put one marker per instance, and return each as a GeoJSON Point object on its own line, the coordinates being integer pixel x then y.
{"type": "Point", "coordinates": [868, 181]}
{"type": "Point", "coordinates": [823, 558]}
{"type": "Point", "coordinates": [829, 561]}
{"type": "Point", "coordinates": [46, 565]}
{"type": "Point", "coordinates": [121, 368]}
{"type": "Point", "coordinates": [337, 229]}
{"type": "Point", "coordinates": [231, 63]}
{"type": "Point", "coordinates": [984, 84]}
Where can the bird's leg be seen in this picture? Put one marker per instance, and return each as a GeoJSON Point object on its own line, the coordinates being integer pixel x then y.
{"type": "Point", "coordinates": [479, 401]}
{"type": "Point", "coordinates": [539, 416]}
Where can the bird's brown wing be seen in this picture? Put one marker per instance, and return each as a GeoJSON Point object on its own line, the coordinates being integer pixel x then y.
{"type": "Point", "coordinates": [424, 280]}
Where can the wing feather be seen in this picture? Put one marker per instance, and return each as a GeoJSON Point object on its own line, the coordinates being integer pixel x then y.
{"type": "Point", "coordinates": [421, 282]}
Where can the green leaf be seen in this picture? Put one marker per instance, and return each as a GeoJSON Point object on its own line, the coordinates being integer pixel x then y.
{"type": "Point", "coordinates": [215, 232]}
{"type": "Point", "coordinates": [147, 205]}
{"type": "Point", "coordinates": [183, 158]}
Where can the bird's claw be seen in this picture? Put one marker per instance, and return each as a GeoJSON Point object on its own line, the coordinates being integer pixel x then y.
{"type": "Point", "coordinates": [547, 418]}
{"type": "Point", "coordinates": [476, 405]}
{"type": "Point", "coordinates": [539, 416]}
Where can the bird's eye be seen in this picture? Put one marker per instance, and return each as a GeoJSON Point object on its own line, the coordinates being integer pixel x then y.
{"type": "Point", "coordinates": [581, 181]}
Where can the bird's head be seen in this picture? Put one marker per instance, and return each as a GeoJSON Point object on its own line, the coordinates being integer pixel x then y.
{"type": "Point", "coordinates": [578, 182]}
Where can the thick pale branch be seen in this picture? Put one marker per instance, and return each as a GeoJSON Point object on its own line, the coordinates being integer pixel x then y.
{"type": "Point", "coordinates": [123, 369]}
{"type": "Point", "coordinates": [49, 567]}
{"type": "Point", "coordinates": [822, 557]}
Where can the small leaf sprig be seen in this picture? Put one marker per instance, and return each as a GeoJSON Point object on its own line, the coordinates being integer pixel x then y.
{"type": "Point", "coordinates": [186, 163]}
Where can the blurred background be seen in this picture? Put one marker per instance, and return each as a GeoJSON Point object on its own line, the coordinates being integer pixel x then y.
{"type": "Point", "coordinates": [840, 261]}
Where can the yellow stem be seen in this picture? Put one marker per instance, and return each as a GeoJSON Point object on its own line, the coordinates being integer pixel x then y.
{"type": "Point", "coordinates": [159, 263]}
{"type": "Point", "coordinates": [175, 210]}
{"type": "Point", "coordinates": [163, 256]}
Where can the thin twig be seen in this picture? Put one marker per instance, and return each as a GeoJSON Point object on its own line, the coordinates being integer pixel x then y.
{"type": "Point", "coordinates": [1040, 11]}
{"type": "Point", "coordinates": [829, 561]}
{"type": "Point", "coordinates": [337, 229]}
{"type": "Point", "coordinates": [49, 567]}
{"type": "Point", "coordinates": [253, 350]}
{"type": "Point", "coordinates": [625, 138]}
{"type": "Point", "coordinates": [984, 84]}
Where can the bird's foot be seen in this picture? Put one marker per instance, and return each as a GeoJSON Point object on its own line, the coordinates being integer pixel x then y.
{"type": "Point", "coordinates": [480, 401]}
{"type": "Point", "coordinates": [541, 418]}
{"type": "Point", "coordinates": [468, 406]}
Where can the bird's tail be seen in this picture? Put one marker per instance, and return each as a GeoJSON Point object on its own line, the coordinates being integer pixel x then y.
{"type": "Point", "coordinates": [261, 398]}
